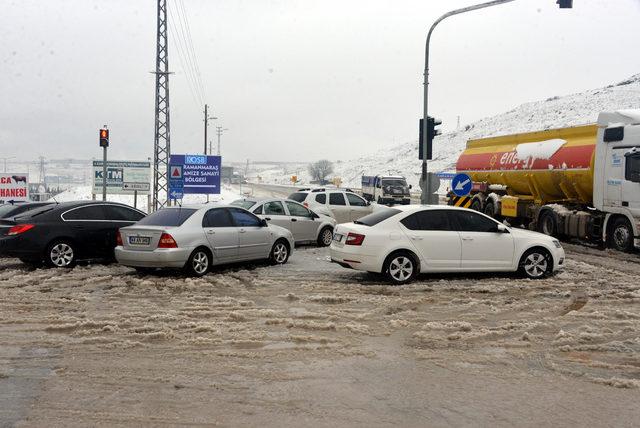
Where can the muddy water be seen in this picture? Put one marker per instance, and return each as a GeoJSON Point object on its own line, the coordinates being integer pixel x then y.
{"type": "Point", "coordinates": [311, 343]}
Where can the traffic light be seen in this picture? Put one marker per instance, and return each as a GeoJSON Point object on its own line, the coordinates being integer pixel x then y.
{"type": "Point", "coordinates": [565, 4]}
{"type": "Point", "coordinates": [104, 137]}
{"type": "Point", "coordinates": [431, 133]}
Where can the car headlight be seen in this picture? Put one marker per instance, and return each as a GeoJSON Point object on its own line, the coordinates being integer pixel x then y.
{"type": "Point", "coordinates": [557, 243]}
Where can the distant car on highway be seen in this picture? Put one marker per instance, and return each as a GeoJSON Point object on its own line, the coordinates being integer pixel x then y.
{"type": "Point", "coordinates": [11, 210]}
{"type": "Point", "coordinates": [61, 234]}
{"type": "Point", "coordinates": [343, 205]}
{"type": "Point", "coordinates": [404, 241]}
{"type": "Point", "coordinates": [305, 225]}
{"type": "Point", "coordinates": [194, 238]}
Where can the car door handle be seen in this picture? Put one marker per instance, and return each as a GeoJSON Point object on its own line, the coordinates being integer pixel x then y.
{"type": "Point", "coordinates": [241, 231]}
{"type": "Point", "coordinates": [211, 232]}
{"type": "Point", "coordinates": [467, 238]}
{"type": "Point", "coordinates": [417, 238]}
{"type": "Point", "coordinates": [294, 219]}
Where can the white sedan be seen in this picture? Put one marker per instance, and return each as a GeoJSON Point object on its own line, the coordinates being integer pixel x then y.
{"type": "Point", "coordinates": [401, 242]}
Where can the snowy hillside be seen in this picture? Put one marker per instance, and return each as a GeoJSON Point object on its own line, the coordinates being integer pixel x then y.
{"type": "Point", "coordinates": [556, 112]}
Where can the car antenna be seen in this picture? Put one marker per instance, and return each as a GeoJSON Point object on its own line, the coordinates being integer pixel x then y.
{"type": "Point", "coordinates": [55, 200]}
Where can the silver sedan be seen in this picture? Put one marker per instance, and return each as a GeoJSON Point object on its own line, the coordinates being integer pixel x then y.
{"type": "Point", "coordinates": [306, 226]}
{"type": "Point", "coordinates": [198, 237]}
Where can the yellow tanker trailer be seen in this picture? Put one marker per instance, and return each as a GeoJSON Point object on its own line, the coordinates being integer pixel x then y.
{"type": "Point", "coordinates": [581, 181]}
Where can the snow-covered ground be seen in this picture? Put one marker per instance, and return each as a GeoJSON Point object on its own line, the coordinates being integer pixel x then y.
{"type": "Point", "coordinates": [313, 344]}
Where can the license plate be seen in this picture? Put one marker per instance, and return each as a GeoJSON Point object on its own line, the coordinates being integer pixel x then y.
{"type": "Point", "coordinates": [337, 237]}
{"type": "Point", "coordinates": [139, 240]}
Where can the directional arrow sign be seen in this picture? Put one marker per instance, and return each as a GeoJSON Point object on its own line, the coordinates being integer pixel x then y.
{"type": "Point", "coordinates": [461, 184]}
{"type": "Point", "coordinates": [142, 187]}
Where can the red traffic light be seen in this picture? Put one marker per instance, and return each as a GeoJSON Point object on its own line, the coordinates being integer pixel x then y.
{"type": "Point", "coordinates": [104, 137]}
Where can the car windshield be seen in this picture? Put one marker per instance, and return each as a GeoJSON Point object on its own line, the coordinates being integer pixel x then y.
{"type": "Point", "coordinates": [377, 217]}
{"type": "Point", "coordinates": [298, 197]}
{"type": "Point", "coordinates": [243, 203]}
{"type": "Point", "coordinates": [167, 217]}
{"type": "Point", "coordinates": [394, 182]}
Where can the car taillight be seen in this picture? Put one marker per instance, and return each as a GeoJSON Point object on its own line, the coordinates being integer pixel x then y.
{"type": "Point", "coordinates": [119, 239]}
{"type": "Point", "coordinates": [354, 239]}
{"type": "Point", "coordinates": [20, 228]}
{"type": "Point", "coordinates": [167, 241]}
{"type": "Point", "coordinates": [306, 204]}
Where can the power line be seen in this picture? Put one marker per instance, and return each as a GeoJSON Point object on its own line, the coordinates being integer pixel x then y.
{"type": "Point", "coordinates": [195, 59]}
{"type": "Point", "coordinates": [189, 52]}
{"type": "Point", "coordinates": [180, 48]}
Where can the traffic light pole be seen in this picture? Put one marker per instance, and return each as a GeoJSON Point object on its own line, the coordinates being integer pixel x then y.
{"type": "Point", "coordinates": [424, 198]}
{"type": "Point", "coordinates": [104, 173]}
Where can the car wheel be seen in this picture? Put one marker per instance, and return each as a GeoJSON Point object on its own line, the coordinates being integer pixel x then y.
{"type": "Point", "coordinates": [379, 200]}
{"type": "Point", "coordinates": [536, 263]}
{"type": "Point", "coordinates": [279, 253]}
{"type": "Point", "coordinates": [547, 223]}
{"type": "Point", "coordinates": [198, 263]}
{"type": "Point", "coordinates": [476, 204]}
{"type": "Point", "coordinates": [325, 237]}
{"type": "Point", "coordinates": [621, 235]}
{"type": "Point", "coordinates": [489, 209]}
{"type": "Point", "coordinates": [400, 268]}
{"type": "Point", "coordinates": [61, 254]}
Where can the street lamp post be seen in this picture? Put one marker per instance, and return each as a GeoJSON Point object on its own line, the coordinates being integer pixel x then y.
{"type": "Point", "coordinates": [423, 180]}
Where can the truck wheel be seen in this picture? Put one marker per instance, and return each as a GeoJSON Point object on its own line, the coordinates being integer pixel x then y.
{"type": "Point", "coordinates": [547, 223]}
{"type": "Point", "coordinates": [489, 209]}
{"type": "Point", "coordinates": [621, 235]}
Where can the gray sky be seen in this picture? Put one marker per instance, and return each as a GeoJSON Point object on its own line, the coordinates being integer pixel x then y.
{"type": "Point", "coordinates": [292, 80]}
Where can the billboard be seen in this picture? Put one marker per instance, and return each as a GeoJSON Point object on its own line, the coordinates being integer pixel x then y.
{"type": "Point", "coordinates": [123, 177]}
{"type": "Point", "coordinates": [194, 174]}
{"type": "Point", "coordinates": [14, 187]}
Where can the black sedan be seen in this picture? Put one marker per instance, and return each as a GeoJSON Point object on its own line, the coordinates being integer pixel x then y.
{"type": "Point", "coordinates": [61, 234]}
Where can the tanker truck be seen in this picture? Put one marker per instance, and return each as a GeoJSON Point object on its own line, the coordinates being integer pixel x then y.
{"type": "Point", "coordinates": [581, 182]}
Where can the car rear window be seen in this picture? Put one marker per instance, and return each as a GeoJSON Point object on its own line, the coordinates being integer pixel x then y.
{"type": "Point", "coordinates": [243, 203]}
{"type": "Point", "coordinates": [167, 217]}
{"type": "Point", "coordinates": [377, 217]}
{"type": "Point", "coordinates": [298, 196]}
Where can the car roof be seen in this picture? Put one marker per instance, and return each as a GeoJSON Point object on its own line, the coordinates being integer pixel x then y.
{"type": "Point", "coordinates": [411, 208]}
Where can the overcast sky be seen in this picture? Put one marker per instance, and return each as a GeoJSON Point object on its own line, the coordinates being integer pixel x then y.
{"type": "Point", "coordinates": [292, 80]}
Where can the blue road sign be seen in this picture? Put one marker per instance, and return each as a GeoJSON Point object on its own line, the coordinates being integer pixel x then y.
{"type": "Point", "coordinates": [175, 193]}
{"type": "Point", "coordinates": [195, 174]}
{"type": "Point", "coordinates": [461, 184]}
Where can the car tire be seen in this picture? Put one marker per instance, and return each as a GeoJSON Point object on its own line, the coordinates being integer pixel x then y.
{"type": "Point", "coordinates": [325, 237]}
{"type": "Point", "coordinates": [61, 254]}
{"type": "Point", "coordinates": [199, 263]}
{"type": "Point", "coordinates": [489, 209]}
{"type": "Point", "coordinates": [476, 204]}
{"type": "Point", "coordinates": [380, 201]}
{"type": "Point", "coordinates": [620, 236]}
{"type": "Point", "coordinates": [400, 268]}
{"type": "Point", "coordinates": [279, 252]}
{"type": "Point", "coordinates": [536, 263]}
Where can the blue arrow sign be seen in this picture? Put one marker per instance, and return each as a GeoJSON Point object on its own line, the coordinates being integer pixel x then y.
{"type": "Point", "coordinates": [461, 184]}
{"type": "Point", "coordinates": [176, 194]}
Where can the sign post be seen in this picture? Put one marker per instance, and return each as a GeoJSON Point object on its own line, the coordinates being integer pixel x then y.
{"type": "Point", "coordinates": [122, 177]}
{"type": "Point", "coordinates": [14, 188]}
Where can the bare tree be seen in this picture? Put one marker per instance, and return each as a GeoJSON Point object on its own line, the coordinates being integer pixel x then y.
{"type": "Point", "coordinates": [320, 170]}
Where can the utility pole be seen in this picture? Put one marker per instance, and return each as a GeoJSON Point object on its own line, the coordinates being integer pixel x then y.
{"type": "Point", "coordinates": [207, 118]}
{"type": "Point", "coordinates": [162, 134]}
{"type": "Point", "coordinates": [423, 179]}
{"type": "Point", "coordinates": [219, 131]}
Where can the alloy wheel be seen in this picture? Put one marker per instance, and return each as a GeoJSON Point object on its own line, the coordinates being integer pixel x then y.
{"type": "Point", "coordinates": [401, 268]}
{"type": "Point", "coordinates": [200, 262]}
{"type": "Point", "coordinates": [61, 255]}
{"type": "Point", "coordinates": [535, 265]}
{"type": "Point", "coordinates": [280, 253]}
{"type": "Point", "coordinates": [327, 236]}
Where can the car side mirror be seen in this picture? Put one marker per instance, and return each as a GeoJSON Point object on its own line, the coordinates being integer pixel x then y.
{"type": "Point", "coordinates": [368, 203]}
{"type": "Point", "coordinates": [501, 228]}
{"type": "Point", "coordinates": [410, 186]}
{"type": "Point", "coordinates": [264, 223]}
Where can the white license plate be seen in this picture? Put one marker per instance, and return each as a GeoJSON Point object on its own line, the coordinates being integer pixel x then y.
{"type": "Point", "coordinates": [139, 240]}
{"type": "Point", "coordinates": [337, 237]}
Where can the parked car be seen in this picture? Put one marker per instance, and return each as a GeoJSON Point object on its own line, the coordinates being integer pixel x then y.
{"type": "Point", "coordinates": [61, 234]}
{"type": "Point", "coordinates": [198, 237]}
{"type": "Point", "coordinates": [344, 206]}
{"type": "Point", "coordinates": [401, 242]}
{"type": "Point", "coordinates": [305, 225]}
{"type": "Point", "coordinates": [7, 211]}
